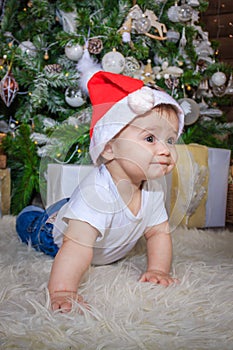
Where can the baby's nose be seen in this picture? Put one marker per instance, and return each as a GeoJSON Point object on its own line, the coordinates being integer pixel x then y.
{"type": "Point", "coordinates": [162, 147]}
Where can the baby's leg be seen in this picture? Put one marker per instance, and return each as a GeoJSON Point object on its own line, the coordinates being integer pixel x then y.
{"type": "Point", "coordinates": [34, 228]}
{"type": "Point", "coordinates": [27, 222]}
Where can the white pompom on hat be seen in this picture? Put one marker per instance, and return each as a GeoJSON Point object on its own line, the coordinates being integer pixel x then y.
{"type": "Point", "coordinates": [116, 100]}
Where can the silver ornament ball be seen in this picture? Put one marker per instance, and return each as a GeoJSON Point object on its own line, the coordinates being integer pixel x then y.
{"type": "Point", "coordinates": [113, 62]}
{"type": "Point", "coordinates": [74, 52]}
{"type": "Point", "coordinates": [185, 13]}
{"type": "Point", "coordinates": [218, 78]}
{"type": "Point", "coordinates": [28, 47]}
{"type": "Point", "coordinates": [74, 97]}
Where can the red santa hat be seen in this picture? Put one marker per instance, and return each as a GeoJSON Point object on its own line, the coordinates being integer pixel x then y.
{"type": "Point", "coordinates": [116, 100]}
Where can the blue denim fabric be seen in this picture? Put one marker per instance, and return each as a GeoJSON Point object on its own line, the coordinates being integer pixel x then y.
{"type": "Point", "coordinates": [31, 227]}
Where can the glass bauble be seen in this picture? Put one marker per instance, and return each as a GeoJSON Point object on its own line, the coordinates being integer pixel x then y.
{"type": "Point", "coordinates": [73, 52]}
{"type": "Point", "coordinates": [172, 13]}
{"type": "Point", "coordinates": [218, 78]}
{"type": "Point", "coordinates": [8, 88]}
{"type": "Point", "coordinates": [113, 62]}
{"type": "Point", "coordinates": [74, 97]}
{"type": "Point", "coordinates": [142, 25]}
{"type": "Point", "coordinates": [173, 36]}
{"type": "Point", "coordinates": [191, 110]}
{"type": "Point", "coordinates": [132, 66]}
{"type": "Point", "coordinates": [185, 13]}
{"type": "Point", "coordinates": [219, 90]}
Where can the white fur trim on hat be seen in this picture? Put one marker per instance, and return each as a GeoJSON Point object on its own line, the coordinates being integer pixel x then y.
{"type": "Point", "coordinates": [142, 100]}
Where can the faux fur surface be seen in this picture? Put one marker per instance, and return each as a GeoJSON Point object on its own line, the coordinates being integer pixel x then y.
{"type": "Point", "coordinates": [124, 314]}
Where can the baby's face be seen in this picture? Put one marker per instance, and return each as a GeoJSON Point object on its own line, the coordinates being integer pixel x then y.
{"type": "Point", "coordinates": [145, 149]}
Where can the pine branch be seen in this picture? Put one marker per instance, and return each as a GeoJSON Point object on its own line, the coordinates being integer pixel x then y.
{"type": "Point", "coordinates": [9, 22]}
{"type": "Point", "coordinates": [24, 162]}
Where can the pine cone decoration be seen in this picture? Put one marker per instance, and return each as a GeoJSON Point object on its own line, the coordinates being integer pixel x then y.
{"type": "Point", "coordinates": [53, 68]}
{"type": "Point", "coordinates": [95, 45]}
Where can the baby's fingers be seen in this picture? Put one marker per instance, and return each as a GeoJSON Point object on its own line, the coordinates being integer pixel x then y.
{"type": "Point", "coordinates": [63, 300]}
{"type": "Point", "coordinates": [64, 305]}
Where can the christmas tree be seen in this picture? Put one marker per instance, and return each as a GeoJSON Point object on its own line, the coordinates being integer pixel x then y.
{"type": "Point", "coordinates": [44, 113]}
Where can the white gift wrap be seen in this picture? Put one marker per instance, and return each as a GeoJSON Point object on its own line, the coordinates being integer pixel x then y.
{"type": "Point", "coordinates": [218, 161]}
{"type": "Point", "coordinates": [63, 179]}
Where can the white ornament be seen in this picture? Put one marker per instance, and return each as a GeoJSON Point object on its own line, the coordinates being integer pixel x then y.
{"type": "Point", "coordinates": [48, 123]}
{"type": "Point", "coordinates": [73, 52]}
{"type": "Point", "coordinates": [173, 36]}
{"type": "Point", "coordinates": [132, 66]}
{"type": "Point", "coordinates": [165, 65]}
{"type": "Point", "coordinates": [211, 112]}
{"type": "Point", "coordinates": [74, 97]}
{"type": "Point", "coordinates": [183, 40]}
{"type": "Point", "coordinates": [113, 62]}
{"type": "Point", "coordinates": [229, 89]}
{"type": "Point", "coordinates": [219, 90]}
{"type": "Point", "coordinates": [203, 105]}
{"type": "Point", "coordinates": [142, 25]}
{"type": "Point", "coordinates": [28, 47]}
{"type": "Point", "coordinates": [185, 13]}
{"type": "Point", "coordinates": [218, 78]}
{"type": "Point", "coordinates": [157, 60]}
{"type": "Point", "coordinates": [173, 13]}
{"type": "Point", "coordinates": [174, 71]}
{"type": "Point", "coordinates": [191, 110]}
{"type": "Point", "coordinates": [193, 3]}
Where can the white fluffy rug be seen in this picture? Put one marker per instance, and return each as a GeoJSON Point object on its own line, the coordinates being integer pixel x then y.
{"type": "Point", "coordinates": [197, 314]}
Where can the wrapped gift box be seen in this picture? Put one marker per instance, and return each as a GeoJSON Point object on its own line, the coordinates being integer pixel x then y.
{"type": "Point", "coordinates": [211, 211]}
{"type": "Point", "coordinates": [208, 189]}
{"type": "Point", "coordinates": [63, 179]}
{"type": "Point", "coordinates": [5, 190]}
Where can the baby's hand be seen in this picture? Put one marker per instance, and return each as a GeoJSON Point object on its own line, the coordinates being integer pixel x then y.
{"type": "Point", "coordinates": [158, 277]}
{"type": "Point", "coordinates": [62, 300]}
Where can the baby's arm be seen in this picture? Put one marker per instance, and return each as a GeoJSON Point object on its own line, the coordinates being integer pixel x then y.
{"type": "Point", "coordinates": [159, 255]}
{"type": "Point", "coordinates": [70, 263]}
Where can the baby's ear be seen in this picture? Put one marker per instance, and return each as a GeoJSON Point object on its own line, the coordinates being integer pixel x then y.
{"type": "Point", "coordinates": [108, 152]}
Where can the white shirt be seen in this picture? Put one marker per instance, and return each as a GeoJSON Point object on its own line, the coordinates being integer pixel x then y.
{"type": "Point", "coordinates": [97, 201]}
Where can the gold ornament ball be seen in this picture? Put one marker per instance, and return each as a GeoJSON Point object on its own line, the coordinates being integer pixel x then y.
{"type": "Point", "coordinates": [46, 56]}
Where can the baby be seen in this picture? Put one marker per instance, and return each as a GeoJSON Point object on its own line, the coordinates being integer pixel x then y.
{"type": "Point", "coordinates": [133, 132]}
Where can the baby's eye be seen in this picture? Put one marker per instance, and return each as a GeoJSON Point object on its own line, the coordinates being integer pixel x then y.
{"type": "Point", "coordinates": [150, 138]}
{"type": "Point", "coordinates": [171, 141]}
